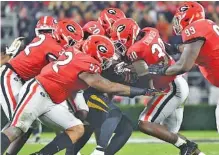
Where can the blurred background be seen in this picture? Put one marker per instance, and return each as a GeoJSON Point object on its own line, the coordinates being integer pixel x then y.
{"type": "Point", "coordinates": [20, 18]}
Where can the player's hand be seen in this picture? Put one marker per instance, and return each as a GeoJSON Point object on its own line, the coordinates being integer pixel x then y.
{"type": "Point", "coordinates": [157, 69]}
{"type": "Point", "coordinates": [130, 77]}
{"type": "Point", "coordinates": [171, 49]}
{"type": "Point", "coordinates": [153, 92]}
{"type": "Point", "coordinates": [120, 68]}
{"type": "Point", "coordinates": [13, 49]}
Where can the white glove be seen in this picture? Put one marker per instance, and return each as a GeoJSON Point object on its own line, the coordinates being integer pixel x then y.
{"type": "Point", "coordinates": [13, 49]}
{"type": "Point", "coordinates": [121, 68]}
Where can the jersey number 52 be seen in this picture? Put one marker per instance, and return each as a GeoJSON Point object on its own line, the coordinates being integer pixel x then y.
{"type": "Point", "coordinates": [69, 56]}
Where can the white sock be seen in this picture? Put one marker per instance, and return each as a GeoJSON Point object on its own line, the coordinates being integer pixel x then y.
{"type": "Point", "coordinates": [201, 153]}
{"type": "Point", "coordinates": [99, 147]}
{"type": "Point", "coordinates": [180, 142]}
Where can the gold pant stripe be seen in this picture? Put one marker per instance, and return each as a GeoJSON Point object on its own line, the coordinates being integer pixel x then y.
{"type": "Point", "coordinates": [94, 97]}
{"type": "Point", "coordinates": [92, 105]}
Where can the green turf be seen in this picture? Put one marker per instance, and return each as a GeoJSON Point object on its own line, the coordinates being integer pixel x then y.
{"type": "Point", "coordinates": [134, 149]}
{"type": "Point", "coordinates": [142, 149]}
{"type": "Point", "coordinates": [189, 134]}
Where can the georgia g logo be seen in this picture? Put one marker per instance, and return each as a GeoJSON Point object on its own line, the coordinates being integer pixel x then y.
{"type": "Point", "coordinates": [102, 48]}
{"type": "Point", "coordinates": [120, 28]}
{"type": "Point", "coordinates": [55, 21]}
{"type": "Point", "coordinates": [70, 28]}
{"type": "Point", "coordinates": [183, 8]}
{"type": "Point", "coordinates": [111, 11]}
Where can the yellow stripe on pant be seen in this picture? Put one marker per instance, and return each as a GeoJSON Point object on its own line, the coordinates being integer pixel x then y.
{"type": "Point", "coordinates": [97, 103]}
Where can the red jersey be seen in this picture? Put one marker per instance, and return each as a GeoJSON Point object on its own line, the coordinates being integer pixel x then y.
{"type": "Point", "coordinates": [60, 78]}
{"type": "Point", "coordinates": [152, 50]}
{"type": "Point", "coordinates": [29, 62]}
{"type": "Point", "coordinates": [208, 58]}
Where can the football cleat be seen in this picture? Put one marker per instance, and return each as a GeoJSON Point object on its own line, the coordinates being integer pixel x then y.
{"type": "Point", "coordinates": [189, 148]}
{"type": "Point", "coordinates": [97, 152]}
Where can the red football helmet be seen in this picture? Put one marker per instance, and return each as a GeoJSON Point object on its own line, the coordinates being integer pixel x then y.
{"type": "Point", "coordinates": [186, 14]}
{"type": "Point", "coordinates": [93, 27]}
{"type": "Point", "coordinates": [108, 16]}
{"type": "Point", "coordinates": [125, 31]}
{"type": "Point", "coordinates": [101, 48]}
{"type": "Point", "coordinates": [45, 23]}
{"type": "Point", "coordinates": [68, 32]}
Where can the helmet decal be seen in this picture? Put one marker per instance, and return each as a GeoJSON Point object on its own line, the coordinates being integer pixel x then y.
{"type": "Point", "coordinates": [111, 11]}
{"type": "Point", "coordinates": [120, 28]}
{"type": "Point", "coordinates": [70, 28]}
{"type": "Point", "coordinates": [102, 48]}
{"type": "Point", "coordinates": [183, 8]}
{"type": "Point", "coordinates": [55, 21]}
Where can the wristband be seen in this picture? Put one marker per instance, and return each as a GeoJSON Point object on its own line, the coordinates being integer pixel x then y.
{"type": "Point", "coordinates": [136, 91]}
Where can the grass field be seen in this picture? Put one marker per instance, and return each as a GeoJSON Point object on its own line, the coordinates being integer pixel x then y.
{"type": "Point", "coordinates": [209, 148]}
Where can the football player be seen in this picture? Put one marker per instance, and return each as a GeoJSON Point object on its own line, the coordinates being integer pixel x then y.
{"type": "Point", "coordinates": [109, 16]}
{"type": "Point", "coordinates": [79, 104]}
{"type": "Point", "coordinates": [162, 117]}
{"type": "Point", "coordinates": [46, 24]}
{"type": "Point", "coordinates": [28, 63]}
{"type": "Point", "coordinates": [106, 120]}
{"type": "Point", "coordinates": [73, 71]}
{"type": "Point", "coordinates": [200, 40]}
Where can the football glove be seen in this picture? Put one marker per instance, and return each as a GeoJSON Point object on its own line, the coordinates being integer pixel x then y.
{"type": "Point", "coordinates": [157, 69]}
{"type": "Point", "coordinates": [130, 77]}
{"type": "Point", "coordinates": [171, 49]}
{"type": "Point", "coordinates": [146, 91]}
{"type": "Point", "coordinates": [13, 49]}
{"type": "Point", "coordinates": [120, 68]}
{"type": "Point", "coordinates": [153, 92]}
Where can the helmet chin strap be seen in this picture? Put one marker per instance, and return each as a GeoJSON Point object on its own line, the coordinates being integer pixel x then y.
{"type": "Point", "coordinates": [135, 34]}
{"type": "Point", "coordinates": [99, 57]}
{"type": "Point", "coordinates": [191, 19]}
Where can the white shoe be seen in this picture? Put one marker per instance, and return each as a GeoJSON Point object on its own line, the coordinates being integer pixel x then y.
{"type": "Point", "coordinates": [78, 153]}
{"type": "Point", "coordinates": [97, 152]}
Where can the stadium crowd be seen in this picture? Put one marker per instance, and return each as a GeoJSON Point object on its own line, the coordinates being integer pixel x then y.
{"type": "Point", "coordinates": [152, 14]}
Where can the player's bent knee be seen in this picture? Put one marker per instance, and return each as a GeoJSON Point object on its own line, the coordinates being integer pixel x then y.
{"type": "Point", "coordinates": [142, 125]}
{"type": "Point", "coordinates": [81, 114]}
{"type": "Point", "coordinates": [13, 132]}
{"type": "Point", "coordinates": [75, 132]}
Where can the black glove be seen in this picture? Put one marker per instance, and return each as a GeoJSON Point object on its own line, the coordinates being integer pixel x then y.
{"type": "Point", "coordinates": [153, 92]}
{"type": "Point", "coordinates": [129, 77]}
{"type": "Point", "coordinates": [157, 69]}
{"type": "Point", "coordinates": [146, 91]}
{"type": "Point", "coordinates": [171, 49]}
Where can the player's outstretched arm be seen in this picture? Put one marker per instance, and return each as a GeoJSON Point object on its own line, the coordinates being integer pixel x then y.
{"type": "Point", "coordinates": [100, 83]}
{"type": "Point", "coordinates": [184, 64]}
{"type": "Point", "coordinates": [187, 59]}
